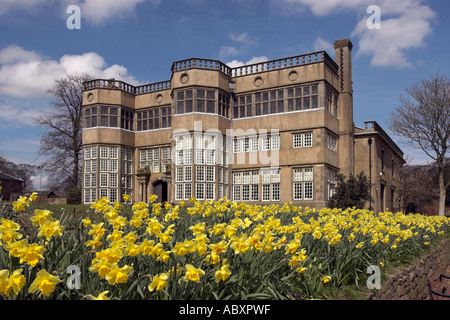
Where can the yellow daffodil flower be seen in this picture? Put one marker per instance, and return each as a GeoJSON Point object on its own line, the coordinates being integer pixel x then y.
{"type": "Point", "coordinates": [44, 282]}
{"type": "Point", "coordinates": [159, 282]}
{"type": "Point", "coordinates": [193, 274]}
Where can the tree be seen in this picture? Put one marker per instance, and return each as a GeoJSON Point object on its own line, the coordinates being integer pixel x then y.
{"type": "Point", "coordinates": [423, 119]}
{"type": "Point", "coordinates": [417, 187]}
{"type": "Point", "coordinates": [354, 192]}
{"type": "Point", "coordinates": [21, 171]}
{"type": "Point", "coordinates": [61, 143]}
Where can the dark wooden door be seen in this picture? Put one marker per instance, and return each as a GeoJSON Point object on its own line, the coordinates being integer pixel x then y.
{"type": "Point", "coordinates": [160, 190]}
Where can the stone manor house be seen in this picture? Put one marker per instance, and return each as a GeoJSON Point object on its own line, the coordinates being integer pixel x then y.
{"type": "Point", "coordinates": [268, 133]}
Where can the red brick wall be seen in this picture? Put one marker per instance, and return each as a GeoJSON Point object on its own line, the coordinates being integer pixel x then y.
{"type": "Point", "coordinates": [9, 186]}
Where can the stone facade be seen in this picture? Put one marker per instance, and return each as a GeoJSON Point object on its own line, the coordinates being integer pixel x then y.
{"type": "Point", "coordinates": [271, 132]}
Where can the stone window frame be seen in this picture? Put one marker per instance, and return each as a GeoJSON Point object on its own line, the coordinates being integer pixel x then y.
{"type": "Point", "coordinates": [200, 99]}
{"type": "Point", "coordinates": [154, 118]}
{"type": "Point", "coordinates": [304, 138]}
{"type": "Point", "coordinates": [271, 178]}
{"type": "Point", "coordinates": [157, 158]}
{"type": "Point", "coordinates": [277, 100]}
{"type": "Point", "coordinates": [303, 183]}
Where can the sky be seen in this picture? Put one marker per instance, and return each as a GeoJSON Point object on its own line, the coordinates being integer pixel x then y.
{"type": "Point", "coordinates": [138, 40]}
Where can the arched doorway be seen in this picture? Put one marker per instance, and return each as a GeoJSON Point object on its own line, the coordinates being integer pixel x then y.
{"type": "Point", "coordinates": [160, 190]}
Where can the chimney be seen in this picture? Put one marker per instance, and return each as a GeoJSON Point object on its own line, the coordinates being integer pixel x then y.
{"type": "Point", "coordinates": [343, 57]}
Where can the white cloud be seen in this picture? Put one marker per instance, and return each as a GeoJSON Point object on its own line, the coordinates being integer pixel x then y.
{"type": "Point", "coordinates": [242, 37]}
{"type": "Point", "coordinates": [387, 45]}
{"type": "Point", "coordinates": [227, 52]}
{"type": "Point", "coordinates": [92, 11]}
{"type": "Point", "coordinates": [9, 5]}
{"type": "Point", "coordinates": [322, 44]}
{"type": "Point", "coordinates": [404, 25]}
{"type": "Point", "coordinates": [101, 11]}
{"type": "Point", "coordinates": [325, 7]}
{"type": "Point", "coordinates": [26, 74]}
{"type": "Point", "coordinates": [14, 53]}
{"type": "Point", "coordinates": [242, 42]}
{"type": "Point", "coordinates": [17, 116]}
{"type": "Point", "coordinates": [237, 63]}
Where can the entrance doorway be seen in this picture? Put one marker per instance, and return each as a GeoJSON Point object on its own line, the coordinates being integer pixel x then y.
{"type": "Point", "coordinates": [382, 197]}
{"type": "Point", "coordinates": [160, 190]}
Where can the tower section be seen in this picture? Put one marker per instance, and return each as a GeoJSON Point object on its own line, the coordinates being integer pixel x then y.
{"type": "Point", "coordinates": [201, 111]}
{"type": "Point", "coordinates": [343, 57]}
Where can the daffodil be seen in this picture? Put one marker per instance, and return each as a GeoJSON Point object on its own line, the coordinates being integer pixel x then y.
{"type": "Point", "coordinates": [86, 222]}
{"type": "Point", "coordinates": [97, 230]}
{"type": "Point", "coordinates": [33, 196]}
{"type": "Point", "coordinates": [102, 267]}
{"type": "Point", "coordinates": [223, 273]}
{"type": "Point", "coordinates": [15, 247]}
{"type": "Point", "coordinates": [193, 274]}
{"type": "Point", "coordinates": [31, 254]}
{"type": "Point", "coordinates": [10, 235]}
{"type": "Point", "coordinates": [301, 270]}
{"type": "Point", "coordinates": [118, 275]}
{"type": "Point", "coordinates": [159, 282]}
{"type": "Point", "coordinates": [44, 282]}
{"type": "Point", "coordinates": [326, 279]}
{"type": "Point", "coordinates": [132, 250]}
{"type": "Point", "coordinates": [212, 259]}
{"type": "Point", "coordinates": [4, 274]}
{"type": "Point", "coordinates": [8, 224]}
{"type": "Point", "coordinates": [147, 246]}
{"type": "Point", "coordinates": [180, 249]}
{"type": "Point", "coordinates": [115, 235]}
{"type": "Point", "coordinates": [13, 283]}
{"type": "Point", "coordinates": [102, 296]}
{"type": "Point", "coordinates": [41, 216]}
{"type": "Point", "coordinates": [50, 229]}
{"type": "Point", "coordinates": [198, 228]}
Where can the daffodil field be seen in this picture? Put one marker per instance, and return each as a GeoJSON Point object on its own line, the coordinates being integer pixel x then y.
{"type": "Point", "coordinates": [200, 250]}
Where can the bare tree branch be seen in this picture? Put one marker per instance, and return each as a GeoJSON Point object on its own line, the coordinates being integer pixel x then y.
{"type": "Point", "coordinates": [61, 143]}
{"type": "Point", "coordinates": [423, 119]}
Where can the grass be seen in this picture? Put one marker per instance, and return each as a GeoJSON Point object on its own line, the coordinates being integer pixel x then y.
{"type": "Point", "coordinates": [79, 210]}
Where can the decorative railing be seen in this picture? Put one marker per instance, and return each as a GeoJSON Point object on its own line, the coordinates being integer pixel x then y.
{"type": "Point", "coordinates": [153, 87]}
{"type": "Point", "coordinates": [207, 64]}
{"type": "Point", "coordinates": [200, 63]}
{"type": "Point", "coordinates": [304, 59]}
{"type": "Point", "coordinates": [123, 86]}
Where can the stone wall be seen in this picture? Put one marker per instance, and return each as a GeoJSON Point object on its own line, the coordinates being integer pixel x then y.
{"type": "Point", "coordinates": [411, 283]}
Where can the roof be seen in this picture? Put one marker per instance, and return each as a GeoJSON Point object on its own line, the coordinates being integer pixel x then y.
{"type": "Point", "coordinates": [5, 176]}
{"type": "Point", "coordinates": [371, 128]}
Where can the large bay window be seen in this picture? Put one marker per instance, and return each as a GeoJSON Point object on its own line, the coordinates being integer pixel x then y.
{"type": "Point", "coordinates": [101, 176]}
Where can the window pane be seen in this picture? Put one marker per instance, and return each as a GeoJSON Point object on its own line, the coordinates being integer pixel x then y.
{"type": "Point", "coordinates": [103, 121]}
{"type": "Point", "coordinates": [200, 106]}
{"type": "Point", "coordinates": [210, 106]}
{"type": "Point", "coordinates": [188, 106]}
{"type": "Point", "coordinates": [211, 95]}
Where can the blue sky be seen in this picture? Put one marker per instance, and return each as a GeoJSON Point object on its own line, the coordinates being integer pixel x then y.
{"type": "Point", "coordinates": [137, 41]}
